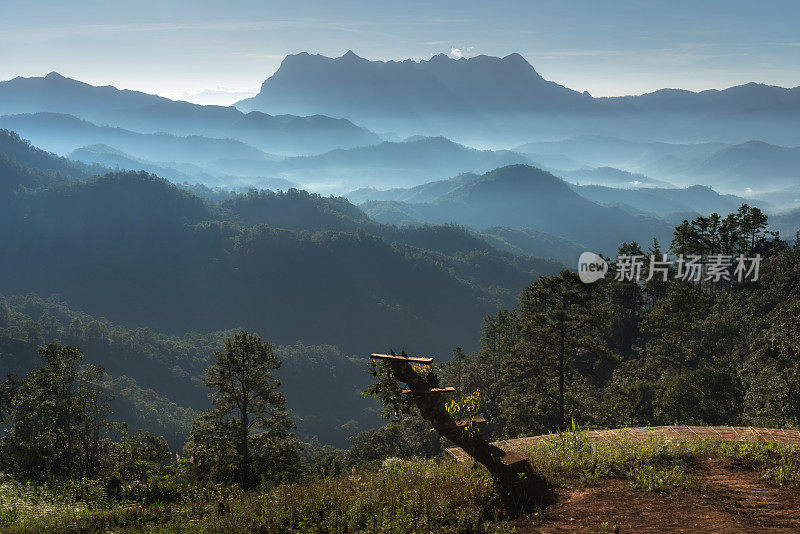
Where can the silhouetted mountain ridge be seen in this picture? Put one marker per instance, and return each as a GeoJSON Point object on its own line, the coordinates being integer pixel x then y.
{"type": "Point", "coordinates": [62, 133]}
{"type": "Point", "coordinates": [145, 113]}
{"type": "Point", "coordinates": [490, 98]}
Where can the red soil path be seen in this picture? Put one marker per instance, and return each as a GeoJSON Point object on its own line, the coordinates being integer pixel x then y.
{"type": "Point", "coordinates": [730, 499]}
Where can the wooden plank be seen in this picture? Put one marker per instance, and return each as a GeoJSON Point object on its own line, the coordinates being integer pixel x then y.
{"type": "Point", "coordinates": [458, 453]}
{"type": "Point", "coordinates": [410, 359]}
{"type": "Point", "coordinates": [429, 391]}
{"type": "Point", "coordinates": [513, 458]}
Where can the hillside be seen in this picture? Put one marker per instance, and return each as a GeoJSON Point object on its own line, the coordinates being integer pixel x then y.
{"type": "Point", "coordinates": [64, 133]}
{"type": "Point", "coordinates": [278, 134]}
{"type": "Point", "coordinates": [755, 165]}
{"type": "Point", "coordinates": [664, 201]}
{"type": "Point", "coordinates": [389, 164]}
{"type": "Point", "coordinates": [519, 196]}
{"type": "Point", "coordinates": [179, 173]}
{"type": "Point", "coordinates": [21, 150]}
{"type": "Point", "coordinates": [132, 248]}
{"type": "Point", "coordinates": [418, 194]}
{"type": "Point", "coordinates": [156, 378]}
{"type": "Point", "coordinates": [527, 242]}
{"type": "Point", "coordinates": [142, 252]}
{"type": "Point", "coordinates": [787, 223]}
{"type": "Point", "coordinates": [750, 98]}
{"type": "Point", "coordinates": [609, 176]}
{"type": "Point", "coordinates": [619, 152]}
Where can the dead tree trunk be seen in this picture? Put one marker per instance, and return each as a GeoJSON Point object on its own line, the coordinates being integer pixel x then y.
{"type": "Point", "coordinates": [519, 485]}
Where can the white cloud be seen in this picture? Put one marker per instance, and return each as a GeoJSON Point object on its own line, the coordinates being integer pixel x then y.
{"type": "Point", "coordinates": [221, 96]}
{"type": "Point", "coordinates": [459, 52]}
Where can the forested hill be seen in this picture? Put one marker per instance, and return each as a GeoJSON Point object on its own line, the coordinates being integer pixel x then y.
{"type": "Point", "coordinates": [521, 196]}
{"type": "Point", "coordinates": [292, 266]}
{"type": "Point", "coordinates": [155, 378]}
{"type": "Point", "coordinates": [25, 165]}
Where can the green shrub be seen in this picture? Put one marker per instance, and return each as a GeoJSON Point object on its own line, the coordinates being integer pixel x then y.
{"type": "Point", "coordinates": [8, 516]}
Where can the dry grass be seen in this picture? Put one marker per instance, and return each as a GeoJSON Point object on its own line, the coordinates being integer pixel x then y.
{"type": "Point", "coordinates": [412, 496]}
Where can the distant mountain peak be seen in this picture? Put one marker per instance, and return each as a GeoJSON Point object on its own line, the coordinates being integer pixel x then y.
{"type": "Point", "coordinates": [516, 59]}
{"type": "Point", "coordinates": [438, 89]}
{"type": "Point", "coordinates": [514, 181]}
{"type": "Point", "coordinates": [54, 76]}
{"type": "Point", "coordinates": [350, 56]}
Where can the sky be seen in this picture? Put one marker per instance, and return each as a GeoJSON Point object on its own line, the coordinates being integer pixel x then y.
{"type": "Point", "coordinates": [221, 51]}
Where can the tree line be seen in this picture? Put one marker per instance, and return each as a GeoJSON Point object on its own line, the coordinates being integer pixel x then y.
{"type": "Point", "coordinates": [619, 353]}
{"type": "Point", "coordinates": [57, 422]}
{"type": "Point", "coordinates": [609, 354]}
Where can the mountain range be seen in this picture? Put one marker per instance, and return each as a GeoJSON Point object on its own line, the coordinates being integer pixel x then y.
{"type": "Point", "coordinates": [62, 134]}
{"type": "Point", "coordinates": [667, 202]}
{"type": "Point", "coordinates": [418, 96]}
{"type": "Point", "coordinates": [389, 164]}
{"type": "Point", "coordinates": [145, 113]}
{"type": "Point", "coordinates": [176, 172]}
{"type": "Point", "coordinates": [492, 99]}
{"type": "Point", "coordinates": [138, 250]}
{"type": "Point", "coordinates": [743, 169]}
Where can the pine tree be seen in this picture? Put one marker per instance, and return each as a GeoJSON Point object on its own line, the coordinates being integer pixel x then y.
{"type": "Point", "coordinates": [249, 427]}
{"type": "Point", "coordinates": [561, 321]}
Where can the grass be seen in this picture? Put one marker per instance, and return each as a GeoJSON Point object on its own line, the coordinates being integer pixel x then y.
{"type": "Point", "coordinates": [657, 463]}
{"type": "Point", "coordinates": [400, 496]}
{"type": "Point", "coordinates": [396, 497]}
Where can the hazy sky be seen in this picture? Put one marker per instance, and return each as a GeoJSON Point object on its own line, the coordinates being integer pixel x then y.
{"type": "Point", "coordinates": [608, 47]}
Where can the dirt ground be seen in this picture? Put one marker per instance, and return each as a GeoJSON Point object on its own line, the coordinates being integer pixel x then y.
{"type": "Point", "coordinates": [729, 500]}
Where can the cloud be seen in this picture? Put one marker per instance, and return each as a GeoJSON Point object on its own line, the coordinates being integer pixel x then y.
{"type": "Point", "coordinates": [459, 52]}
{"type": "Point", "coordinates": [221, 96]}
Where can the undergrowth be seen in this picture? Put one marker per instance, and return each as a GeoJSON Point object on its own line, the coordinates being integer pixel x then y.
{"type": "Point", "coordinates": [396, 497]}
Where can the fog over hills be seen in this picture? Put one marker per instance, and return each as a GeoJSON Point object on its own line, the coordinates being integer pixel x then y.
{"type": "Point", "coordinates": [753, 166]}
{"type": "Point", "coordinates": [313, 105]}
{"type": "Point", "coordinates": [389, 164]}
{"type": "Point", "coordinates": [145, 113]}
{"type": "Point", "coordinates": [520, 196]}
{"type": "Point", "coordinates": [603, 150]}
{"type": "Point", "coordinates": [62, 134]}
{"type": "Point", "coordinates": [668, 201]}
{"type": "Point", "coordinates": [140, 251]}
{"type": "Point", "coordinates": [176, 172]}
{"type": "Point", "coordinates": [485, 177]}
